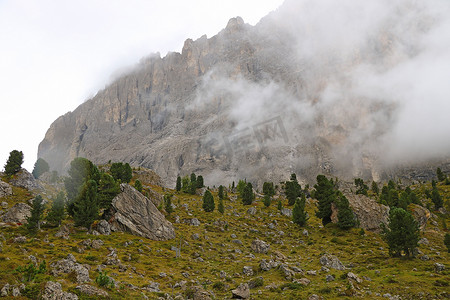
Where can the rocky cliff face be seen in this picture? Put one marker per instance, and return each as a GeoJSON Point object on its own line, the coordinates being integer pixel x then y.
{"type": "Point", "coordinates": [249, 102]}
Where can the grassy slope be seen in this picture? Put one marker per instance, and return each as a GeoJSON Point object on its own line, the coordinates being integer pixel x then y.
{"type": "Point", "coordinates": [366, 254]}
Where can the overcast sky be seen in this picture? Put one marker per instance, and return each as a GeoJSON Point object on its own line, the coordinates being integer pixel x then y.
{"type": "Point", "coordinates": [55, 54]}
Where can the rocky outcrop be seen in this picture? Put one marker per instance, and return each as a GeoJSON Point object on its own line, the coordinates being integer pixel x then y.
{"type": "Point", "coordinates": [134, 213]}
{"type": "Point", "coordinates": [25, 180]}
{"type": "Point", "coordinates": [184, 112]}
{"type": "Point", "coordinates": [68, 265]}
{"type": "Point", "coordinates": [368, 212]}
{"type": "Point", "coordinates": [92, 291]}
{"type": "Point", "coordinates": [259, 246]}
{"type": "Point", "coordinates": [241, 292]}
{"type": "Point", "coordinates": [53, 291]}
{"type": "Point", "coordinates": [17, 214]}
{"type": "Point", "coordinates": [5, 189]}
{"type": "Point", "coordinates": [332, 262]}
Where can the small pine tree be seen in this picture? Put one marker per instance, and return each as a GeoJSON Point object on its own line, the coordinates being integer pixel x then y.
{"type": "Point", "coordinates": [268, 189]}
{"type": "Point", "coordinates": [34, 220]}
{"type": "Point", "coordinates": [40, 167]}
{"type": "Point", "coordinates": [208, 202]}
{"type": "Point", "coordinates": [325, 194]}
{"type": "Point", "coordinates": [267, 200]}
{"type": "Point", "coordinates": [168, 203]}
{"type": "Point", "coordinates": [403, 201]}
{"type": "Point", "coordinates": [86, 205]}
{"type": "Point", "coordinates": [220, 192]}
{"type": "Point", "coordinates": [200, 183]}
{"type": "Point", "coordinates": [14, 162]}
{"type": "Point", "coordinates": [138, 185]}
{"type": "Point", "coordinates": [178, 186]}
{"type": "Point", "coordinates": [346, 218]}
{"type": "Point", "coordinates": [220, 207]}
{"type": "Point", "coordinates": [447, 241]}
{"type": "Point", "coordinates": [298, 212]}
{"type": "Point", "coordinates": [57, 213]}
{"type": "Point", "coordinates": [247, 194]}
{"type": "Point", "coordinates": [108, 188]}
{"type": "Point", "coordinates": [375, 188]}
{"type": "Point", "coordinates": [185, 184]}
{"type": "Point", "coordinates": [436, 198]}
{"type": "Point", "coordinates": [292, 189]}
{"type": "Point", "coordinates": [440, 175]}
{"type": "Point", "coordinates": [362, 188]}
{"type": "Point", "coordinates": [240, 187]}
{"type": "Point", "coordinates": [402, 232]}
{"type": "Point", "coordinates": [279, 205]}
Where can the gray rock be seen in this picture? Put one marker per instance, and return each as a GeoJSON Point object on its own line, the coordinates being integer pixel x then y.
{"type": "Point", "coordinates": [264, 265]}
{"type": "Point", "coordinates": [439, 267]}
{"type": "Point", "coordinates": [332, 262]}
{"type": "Point", "coordinates": [97, 244]}
{"type": "Point", "coordinates": [251, 211]}
{"type": "Point", "coordinates": [20, 239]}
{"type": "Point", "coordinates": [238, 242]}
{"type": "Point", "coordinates": [288, 273]}
{"type": "Point", "coordinates": [5, 190]}
{"type": "Point", "coordinates": [134, 213]}
{"type": "Point", "coordinates": [53, 291]}
{"type": "Point", "coordinates": [247, 271]}
{"type": "Point", "coordinates": [192, 222]}
{"type": "Point", "coordinates": [329, 278]}
{"type": "Point", "coordinates": [5, 290]}
{"type": "Point", "coordinates": [17, 214]}
{"type": "Point", "coordinates": [425, 257]}
{"type": "Point", "coordinates": [25, 180]}
{"type": "Point", "coordinates": [4, 205]}
{"type": "Point", "coordinates": [103, 227]}
{"type": "Point", "coordinates": [314, 297]}
{"type": "Point", "coordinates": [153, 287]}
{"type": "Point", "coordinates": [302, 281]}
{"type": "Point", "coordinates": [423, 241]}
{"type": "Point", "coordinates": [260, 246]}
{"type": "Point", "coordinates": [305, 232]}
{"type": "Point", "coordinates": [369, 212]}
{"type": "Point", "coordinates": [92, 290]}
{"type": "Point", "coordinates": [241, 292]}
{"type": "Point", "coordinates": [354, 277]}
{"type": "Point", "coordinates": [195, 236]}
{"type": "Point", "coordinates": [69, 264]}
{"type": "Point", "coordinates": [286, 212]}
{"type": "Point", "coordinates": [63, 232]}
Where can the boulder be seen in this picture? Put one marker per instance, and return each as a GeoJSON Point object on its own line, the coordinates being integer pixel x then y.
{"type": "Point", "coordinates": [251, 211]}
{"type": "Point", "coordinates": [369, 212]}
{"type": "Point", "coordinates": [134, 213]}
{"type": "Point", "coordinates": [332, 262]}
{"type": "Point", "coordinates": [5, 189]}
{"type": "Point", "coordinates": [103, 227]}
{"type": "Point", "coordinates": [25, 179]}
{"type": "Point", "coordinates": [53, 291]}
{"type": "Point", "coordinates": [68, 265]}
{"type": "Point", "coordinates": [241, 292]}
{"type": "Point", "coordinates": [420, 214]}
{"type": "Point", "coordinates": [286, 212]}
{"type": "Point", "coordinates": [17, 214]}
{"type": "Point", "coordinates": [260, 246]}
{"type": "Point", "coordinates": [63, 232]}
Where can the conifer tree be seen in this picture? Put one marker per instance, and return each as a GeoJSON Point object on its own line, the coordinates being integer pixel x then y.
{"type": "Point", "coordinates": [362, 188]}
{"type": "Point", "coordinates": [267, 200]}
{"type": "Point", "coordinates": [440, 175]}
{"type": "Point", "coordinates": [40, 167]}
{"type": "Point", "coordinates": [57, 213]}
{"type": "Point", "coordinates": [220, 192]}
{"type": "Point", "coordinates": [200, 183]}
{"type": "Point", "coordinates": [436, 198]}
{"type": "Point", "coordinates": [247, 194]}
{"type": "Point", "coordinates": [14, 162]}
{"type": "Point", "coordinates": [325, 194]}
{"type": "Point", "coordinates": [138, 185]}
{"type": "Point", "coordinates": [268, 189]}
{"type": "Point", "coordinates": [34, 220]}
{"type": "Point", "coordinates": [208, 201]}
{"type": "Point", "coordinates": [402, 232]}
{"type": "Point", "coordinates": [178, 186]}
{"type": "Point", "coordinates": [86, 205]}
{"type": "Point", "coordinates": [108, 188]}
{"type": "Point", "coordinates": [298, 212]}
{"type": "Point", "coordinates": [447, 241]}
{"type": "Point", "coordinates": [279, 205]}
{"type": "Point", "coordinates": [185, 184]}
{"type": "Point", "coordinates": [220, 207]}
{"type": "Point", "coordinates": [292, 189]}
{"type": "Point", "coordinates": [346, 218]}
{"type": "Point", "coordinates": [375, 188]}
{"type": "Point", "coordinates": [168, 203]}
